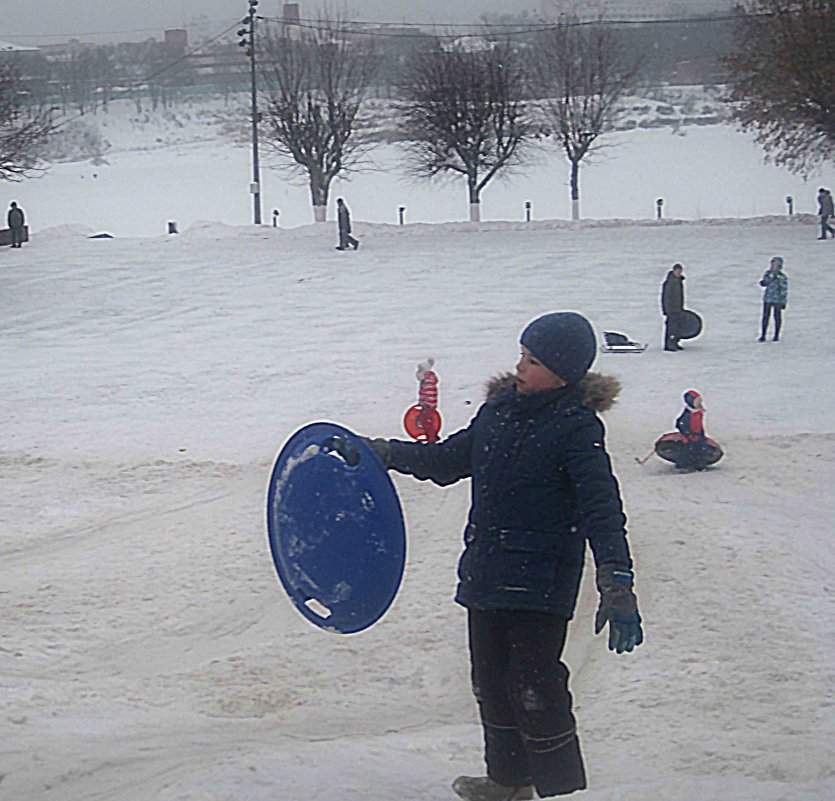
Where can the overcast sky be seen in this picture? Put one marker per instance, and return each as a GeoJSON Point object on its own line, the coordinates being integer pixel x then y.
{"type": "Point", "coordinates": [30, 21]}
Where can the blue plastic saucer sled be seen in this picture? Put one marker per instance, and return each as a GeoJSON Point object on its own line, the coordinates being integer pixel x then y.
{"type": "Point", "coordinates": [336, 529]}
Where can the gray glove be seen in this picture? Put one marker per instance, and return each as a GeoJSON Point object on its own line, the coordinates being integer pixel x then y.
{"type": "Point", "coordinates": [618, 607]}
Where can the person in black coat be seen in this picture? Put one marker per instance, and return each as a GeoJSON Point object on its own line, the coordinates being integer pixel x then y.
{"type": "Point", "coordinates": [16, 220]}
{"type": "Point", "coordinates": [343, 221]}
{"type": "Point", "coordinates": [542, 485]}
{"type": "Point", "coordinates": [826, 210]}
{"type": "Point", "coordinates": [672, 306]}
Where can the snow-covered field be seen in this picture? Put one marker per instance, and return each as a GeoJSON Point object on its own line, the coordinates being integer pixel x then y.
{"type": "Point", "coordinates": [147, 650]}
{"type": "Point", "coordinates": [172, 166]}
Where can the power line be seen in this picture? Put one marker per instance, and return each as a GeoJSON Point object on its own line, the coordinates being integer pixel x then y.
{"type": "Point", "coordinates": [93, 33]}
{"type": "Point", "coordinates": [505, 29]}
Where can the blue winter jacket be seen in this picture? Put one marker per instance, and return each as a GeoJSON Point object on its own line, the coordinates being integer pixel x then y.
{"type": "Point", "coordinates": [542, 484]}
{"type": "Point", "coordinates": [776, 285]}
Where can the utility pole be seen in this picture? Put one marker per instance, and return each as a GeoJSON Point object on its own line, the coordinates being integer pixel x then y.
{"type": "Point", "coordinates": [247, 40]}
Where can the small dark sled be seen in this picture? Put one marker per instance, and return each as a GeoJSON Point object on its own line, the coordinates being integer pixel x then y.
{"type": "Point", "coordinates": [669, 447]}
{"type": "Point", "coordinates": [688, 325]}
{"type": "Point", "coordinates": [613, 342]}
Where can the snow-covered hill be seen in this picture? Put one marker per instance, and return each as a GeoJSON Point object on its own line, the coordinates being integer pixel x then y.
{"type": "Point", "coordinates": [147, 651]}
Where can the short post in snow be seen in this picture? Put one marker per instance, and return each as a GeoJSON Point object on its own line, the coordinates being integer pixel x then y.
{"type": "Point", "coordinates": [276, 212]}
{"type": "Point", "coordinates": [401, 210]}
{"type": "Point", "coordinates": [790, 204]}
{"type": "Point", "coordinates": [172, 227]}
{"type": "Point", "coordinates": [659, 205]}
{"type": "Point", "coordinates": [527, 211]}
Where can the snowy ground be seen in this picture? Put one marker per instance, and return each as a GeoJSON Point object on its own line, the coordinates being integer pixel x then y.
{"type": "Point", "coordinates": [147, 650]}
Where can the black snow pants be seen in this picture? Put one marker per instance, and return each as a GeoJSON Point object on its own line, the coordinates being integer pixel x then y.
{"type": "Point", "coordinates": [521, 686]}
{"type": "Point", "coordinates": [346, 240]}
{"type": "Point", "coordinates": [672, 323]}
{"type": "Point", "coordinates": [777, 310]}
{"type": "Point", "coordinates": [692, 455]}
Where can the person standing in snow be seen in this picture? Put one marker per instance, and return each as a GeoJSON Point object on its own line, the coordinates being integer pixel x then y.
{"type": "Point", "coordinates": [541, 486]}
{"type": "Point", "coordinates": [672, 306]}
{"type": "Point", "coordinates": [343, 220]}
{"type": "Point", "coordinates": [690, 424]}
{"type": "Point", "coordinates": [775, 297]}
{"type": "Point", "coordinates": [16, 220]}
{"type": "Point", "coordinates": [826, 210]}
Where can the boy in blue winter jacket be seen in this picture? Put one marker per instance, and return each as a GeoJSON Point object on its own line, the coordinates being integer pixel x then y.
{"type": "Point", "coordinates": [775, 297]}
{"type": "Point", "coordinates": [542, 485]}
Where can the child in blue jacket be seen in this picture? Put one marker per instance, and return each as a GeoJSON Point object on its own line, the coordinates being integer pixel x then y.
{"type": "Point", "coordinates": [775, 297]}
{"type": "Point", "coordinates": [542, 485]}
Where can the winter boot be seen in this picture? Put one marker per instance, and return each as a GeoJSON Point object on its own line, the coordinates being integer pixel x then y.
{"type": "Point", "coordinates": [482, 788]}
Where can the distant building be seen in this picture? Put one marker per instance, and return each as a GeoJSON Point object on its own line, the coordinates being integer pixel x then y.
{"type": "Point", "coordinates": [469, 44]}
{"type": "Point", "coordinates": [176, 38]}
{"type": "Point", "coordinates": [65, 48]}
{"type": "Point", "coordinates": [290, 14]}
{"type": "Point", "coordinates": [8, 47]}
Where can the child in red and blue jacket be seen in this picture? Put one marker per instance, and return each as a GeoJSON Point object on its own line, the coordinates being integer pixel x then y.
{"type": "Point", "coordinates": [690, 424]}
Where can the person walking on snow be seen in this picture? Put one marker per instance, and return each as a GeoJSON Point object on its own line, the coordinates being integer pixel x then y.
{"type": "Point", "coordinates": [16, 221]}
{"type": "Point", "coordinates": [343, 220]}
{"type": "Point", "coordinates": [541, 486]}
{"type": "Point", "coordinates": [775, 297]}
{"type": "Point", "coordinates": [672, 306]}
{"type": "Point", "coordinates": [826, 210]}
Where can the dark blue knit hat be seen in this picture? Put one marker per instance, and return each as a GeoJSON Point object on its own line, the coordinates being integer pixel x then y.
{"type": "Point", "coordinates": [564, 342]}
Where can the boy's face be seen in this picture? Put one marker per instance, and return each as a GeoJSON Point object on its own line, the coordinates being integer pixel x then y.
{"type": "Point", "coordinates": [533, 376]}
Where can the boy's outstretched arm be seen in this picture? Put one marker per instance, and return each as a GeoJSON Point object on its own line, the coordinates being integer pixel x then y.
{"type": "Point", "coordinates": [443, 463]}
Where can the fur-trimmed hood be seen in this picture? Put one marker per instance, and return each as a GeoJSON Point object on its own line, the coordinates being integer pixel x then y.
{"type": "Point", "coordinates": [599, 392]}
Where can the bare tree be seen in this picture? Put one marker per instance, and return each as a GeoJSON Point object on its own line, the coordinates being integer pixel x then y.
{"type": "Point", "coordinates": [464, 113]}
{"type": "Point", "coordinates": [783, 79]}
{"type": "Point", "coordinates": [584, 72]}
{"type": "Point", "coordinates": [22, 130]}
{"type": "Point", "coordinates": [315, 81]}
{"type": "Point", "coordinates": [85, 78]}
